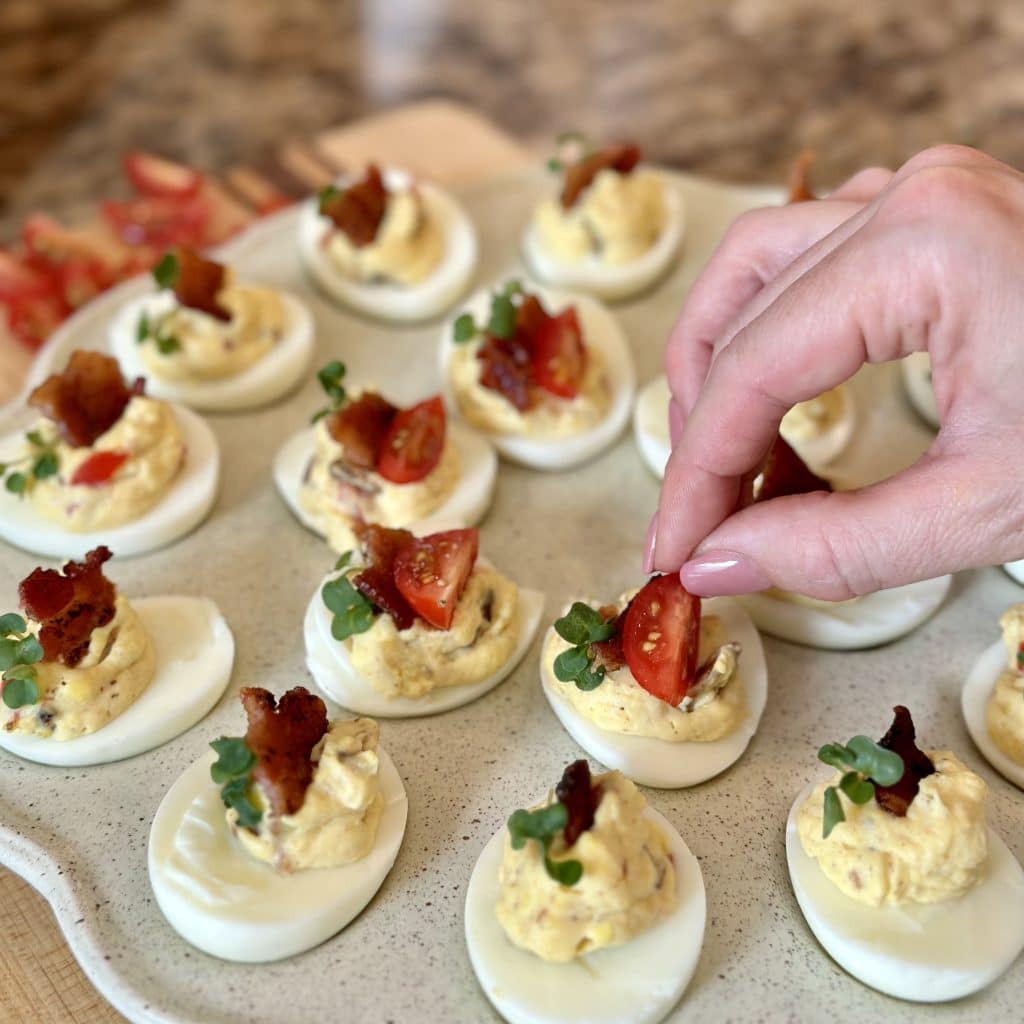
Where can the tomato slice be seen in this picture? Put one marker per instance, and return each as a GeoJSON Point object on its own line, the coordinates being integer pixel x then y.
{"type": "Point", "coordinates": [159, 221]}
{"type": "Point", "coordinates": [157, 176]}
{"type": "Point", "coordinates": [98, 469]}
{"type": "Point", "coordinates": [19, 280]}
{"type": "Point", "coordinates": [661, 638]}
{"type": "Point", "coordinates": [559, 359]}
{"type": "Point", "coordinates": [33, 318]}
{"type": "Point", "coordinates": [413, 444]}
{"type": "Point", "coordinates": [432, 571]}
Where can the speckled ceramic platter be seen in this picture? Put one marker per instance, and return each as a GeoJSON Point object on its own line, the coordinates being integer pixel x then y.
{"type": "Point", "coordinates": [79, 835]}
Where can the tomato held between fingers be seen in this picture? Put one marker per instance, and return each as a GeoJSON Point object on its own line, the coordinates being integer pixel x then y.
{"type": "Point", "coordinates": [661, 638]}
{"type": "Point", "coordinates": [432, 572]}
{"type": "Point", "coordinates": [559, 358]}
{"type": "Point", "coordinates": [413, 444]}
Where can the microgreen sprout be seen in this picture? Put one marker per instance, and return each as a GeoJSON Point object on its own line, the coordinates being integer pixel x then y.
{"type": "Point", "coordinates": [543, 825]}
{"type": "Point", "coordinates": [581, 626]}
{"type": "Point", "coordinates": [864, 764]}
{"type": "Point", "coordinates": [326, 196]}
{"type": "Point", "coordinates": [20, 650]}
{"type": "Point", "coordinates": [40, 462]}
{"type": "Point", "coordinates": [331, 377]}
{"type": "Point", "coordinates": [351, 611]}
{"type": "Point", "coordinates": [167, 344]}
{"type": "Point", "coordinates": [570, 147]}
{"type": "Point", "coordinates": [232, 771]}
{"type": "Point", "coordinates": [165, 273]}
{"type": "Point", "coordinates": [501, 322]}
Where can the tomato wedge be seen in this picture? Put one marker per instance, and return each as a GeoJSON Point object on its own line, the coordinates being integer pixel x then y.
{"type": "Point", "coordinates": [432, 571]}
{"type": "Point", "coordinates": [34, 317]}
{"type": "Point", "coordinates": [559, 359]}
{"type": "Point", "coordinates": [19, 280]}
{"type": "Point", "coordinates": [661, 638]}
{"type": "Point", "coordinates": [159, 221]}
{"type": "Point", "coordinates": [99, 468]}
{"type": "Point", "coordinates": [413, 444]}
{"type": "Point", "coordinates": [153, 175]}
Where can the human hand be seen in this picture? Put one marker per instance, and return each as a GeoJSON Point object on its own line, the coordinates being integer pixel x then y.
{"type": "Point", "coordinates": [793, 302]}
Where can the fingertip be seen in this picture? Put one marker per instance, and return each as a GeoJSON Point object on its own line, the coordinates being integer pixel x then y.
{"type": "Point", "coordinates": [723, 574]}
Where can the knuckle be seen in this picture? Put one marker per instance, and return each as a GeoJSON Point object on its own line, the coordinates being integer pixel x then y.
{"type": "Point", "coordinates": [845, 561]}
{"type": "Point", "coordinates": [941, 192]}
{"type": "Point", "coordinates": [945, 154]}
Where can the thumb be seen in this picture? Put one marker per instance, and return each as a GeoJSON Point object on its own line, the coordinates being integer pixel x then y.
{"type": "Point", "coordinates": [947, 512]}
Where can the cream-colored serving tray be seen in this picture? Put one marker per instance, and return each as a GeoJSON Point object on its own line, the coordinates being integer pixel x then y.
{"type": "Point", "coordinates": [80, 835]}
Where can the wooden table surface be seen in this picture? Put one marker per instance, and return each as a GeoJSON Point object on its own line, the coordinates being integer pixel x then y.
{"type": "Point", "coordinates": [40, 981]}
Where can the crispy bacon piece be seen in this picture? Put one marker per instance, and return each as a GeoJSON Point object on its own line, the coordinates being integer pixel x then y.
{"type": "Point", "coordinates": [199, 283]}
{"type": "Point", "coordinates": [506, 369]}
{"type": "Point", "coordinates": [379, 588]}
{"type": "Point", "coordinates": [580, 798]}
{"type": "Point", "coordinates": [799, 184]}
{"type": "Point", "coordinates": [917, 765]}
{"type": "Point", "coordinates": [622, 157]}
{"type": "Point", "coordinates": [358, 210]}
{"type": "Point", "coordinates": [785, 473]}
{"type": "Point", "coordinates": [69, 607]}
{"type": "Point", "coordinates": [360, 428]}
{"type": "Point", "coordinates": [87, 399]}
{"type": "Point", "coordinates": [282, 735]}
{"type": "Point", "coordinates": [381, 544]}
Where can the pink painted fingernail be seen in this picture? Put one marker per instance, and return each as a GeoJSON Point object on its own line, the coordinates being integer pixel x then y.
{"type": "Point", "coordinates": [652, 539]}
{"type": "Point", "coordinates": [675, 421]}
{"type": "Point", "coordinates": [720, 573]}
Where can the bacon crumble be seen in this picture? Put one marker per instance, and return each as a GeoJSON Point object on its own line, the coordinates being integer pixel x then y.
{"type": "Point", "coordinates": [622, 157]}
{"type": "Point", "coordinates": [358, 210]}
{"type": "Point", "coordinates": [580, 798]}
{"type": "Point", "coordinates": [199, 282]}
{"type": "Point", "coordinates": [917, 765]}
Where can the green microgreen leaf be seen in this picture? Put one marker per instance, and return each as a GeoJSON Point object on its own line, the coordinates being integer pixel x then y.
{"type": "Point", "coordinates": [543, 825]}
{"type": "Point", "coordinates": [569, 664]}
{"type": "Point", "coordinates": [352, 612]}
{"type": "Point", "coordinates": [856, 787]}
{"type": "Point", "coordinates": [232, 771]}
{"type": "Point", "coordinates": [884, 766]}
{"type": "Point", "coordinates": [567, 872]}
{"type": "Point", "coordinates": [19, 690]}
{"type": "Point", "coordinates": [36, 439]}
{"type": "Point", "coordinates": [165, 273]}
{"type": "Point", "coordinates": [513, 287]}
{"type": "Point", "coordinates": [327, 195]}
{"type": "Point", "coordinates": [331, 379]}
{"type": "Point", "coordinates": [502, 323]}
{"type": "Point", "coordinates": [12, 622]}
{"type": "Point", "coordinates": [167, 344]}
{"type": "Point", "coordinates": [836, 755]}
{"type": "Point", "coordinates": [554, 165]}
{"type": "Point", "coordinates": [582, 624]}
{"type": "Point", "coordinates": [45, 466]}
{"type": "Point", "coordinates": [236, 794]}
{"type": "Point", "coordinates": [591, 678]}
{"type": "Point", "coordinates": [833, 812]}
{"type": "Point", "coordinates": [16, 483]}
{"type": "Point", "coordinates": [8, 653]}
{"type": "Point", "coordinates": [142, 330]}
{"type": "Point", "coordinates": [29, 651]}
{"type": "Point", "coordinates": [464, 329]}
{"type": "Point", "coordinates": [344, 561]}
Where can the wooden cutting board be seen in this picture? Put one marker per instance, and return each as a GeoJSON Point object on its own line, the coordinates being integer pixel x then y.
{"type": "Point", "coordinates": [40, 982]}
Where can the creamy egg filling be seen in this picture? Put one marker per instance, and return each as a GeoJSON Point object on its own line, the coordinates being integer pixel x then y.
{"type": "Point", "coordinates": [552, 416]}
{"type": "Point", "coordinates": [937, 852]}
{"type": "Point", "coordinates": [74, 702]}
{"type": "Point", "coordinates": [616, 219]}
{"type": "Point", "coordinates": [211, 349]}
{"type": "Point", "coordinates": [150, 435]}
{"type": "Point", "coordinates": [337, 822]}
{"type": "Point", "coordinates": [620, 704]}
{"type": "Point", "coordinates": [336, 495]}
{"type": "Point", "coordinates": [628, 882]}
{"type": "Point", "coordinates": [812, 418]}
{"type": "Point", "coordinates": [412, 662]}
{"type": "Point", "coordinates": [1004, 713]}
{"type": "Point", "coordinates": [408, 246]}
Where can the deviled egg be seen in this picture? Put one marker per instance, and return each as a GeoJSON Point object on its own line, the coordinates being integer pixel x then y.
{"type": "Point", "coordinates": [104, 463]}
{"type": "Point", "coordinates": [917, 380]}
{"type": "Point", "coordinates": [365, 460]}
{"type": "Point", "coordinates": [281, 841]}
{"type": "Point", "coordinates": [664, 690]}
{"type": "Point", "coordinates": [388, 246]}
{"type": "Point", "coordinates": [421, 625]}
{"type": "Point", "coordinates": [587, 907]}
{"type": "Point", "coordinates": [209, 342]}
{"type": "Point", "coordinates": [898, 874]}
{"type": "Point", "coordinates": [614, 229]}
{"type": "Point", "coordinates": [993, 699]}
{"type": "Point", "coordinates": [91, 677]}
{"type": "Point", "coordinates": [833, 625]}
{"type": "Point", "coordinates": [547, 377]}
{"type": "Point", "coordinates": [818, 430]}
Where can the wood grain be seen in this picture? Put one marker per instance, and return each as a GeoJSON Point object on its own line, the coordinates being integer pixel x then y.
{"type": "Point", "coordinates": [40, 982]}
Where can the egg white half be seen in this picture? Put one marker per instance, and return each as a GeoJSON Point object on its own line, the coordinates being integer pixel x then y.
{"type": "Point", "coordinates": [1015, 570]}
{"type": "Point", "coordinates": [194, 655]}
{"type": "Point", "coordinates": [601, 332]}
{"type": "Point", "coordinates": [650, 429]}
{"type": "Point", "coordinates": [974, 697]}
{"type": "Point", "coordinates": [387, 300]}
{"type": "Point", "coordinates": [661, 763]}
{"type": "Point", "coordinates": [183, 507]}
{"type": "Point", "coordinates": [636, 983]}
{"type": "Point", "coordinates": [230, 905]}
{"type": "Point", "coordinates": [593, 276]}
{"type": "Point", "coordinates": [849, 625]}
{"type": "Point", "coordinates": [329, 663]}
{"type": "Point", "coordinates": [274, 375]}
{"type": "Point", "coordinates": [927, 953]}
{"type": "Point", "coordinates": [917, 380]}
{"type": "Point", "coordinates": [465, 506]}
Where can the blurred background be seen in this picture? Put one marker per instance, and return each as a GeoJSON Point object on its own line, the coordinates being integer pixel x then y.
{"type": "Point", "coordinates": [728, 89]}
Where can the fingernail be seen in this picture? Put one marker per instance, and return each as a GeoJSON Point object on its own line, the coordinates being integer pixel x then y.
{"type": "Point", "coordinates": [675, 422]}
{"type": "Point", "coordinates": [652, 539]}
{"type": "Point", "coordinates": [721, 573]}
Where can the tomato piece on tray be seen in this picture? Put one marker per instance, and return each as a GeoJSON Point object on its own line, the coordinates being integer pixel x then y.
{"type": "Point", "coordinates": [32, 318]}
{"type": "Point", "coordinates": [661, 638]}
{"type": "Point", "coordinates": [159, 221]}
{"type": "Point", "coordinates": [559, 359]}
{"type": "Point", "coordinates": [432, 571]}
{"type": "Point", "coordinates": [413, 444]}
{"type": "Point", "coordinates": [99, 468]}
{"type": "Point", "coordinates": [20, 280]}
{"type": "Point", "coordinates": [153, 175]}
